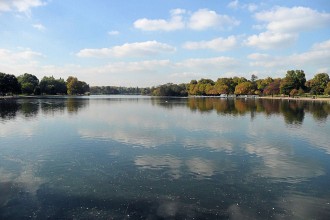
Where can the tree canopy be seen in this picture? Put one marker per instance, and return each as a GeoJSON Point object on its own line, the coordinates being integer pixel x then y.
{"type": "Point", "coordinates": [9, 84]}
{"type": "Point", "coordinates": [76, 87]}
{"type": "Point", "coordinates": [50, 85]}
{"type": "Point", "coordinates": [29, 84]}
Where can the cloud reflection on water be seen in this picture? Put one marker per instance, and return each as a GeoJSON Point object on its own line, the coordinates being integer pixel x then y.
{"type": "Point", "coordinates": [93, 154]}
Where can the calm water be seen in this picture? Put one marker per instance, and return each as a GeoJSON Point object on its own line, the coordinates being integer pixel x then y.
{"type": "Point", "coordinates": [117, 157]}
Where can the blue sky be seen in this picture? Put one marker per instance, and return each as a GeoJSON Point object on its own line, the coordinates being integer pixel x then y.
{"type": "Point", "coordinates": [152, 42]}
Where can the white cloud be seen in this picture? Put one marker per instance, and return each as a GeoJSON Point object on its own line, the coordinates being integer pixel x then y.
{"type": "Point", "coordinates": [322, 46]}
{"type": "Point", "coordinates": [204, 19]}
{"type": "Point", "coordinates": [237, 5]}
{"type": "Point", "coordinates": [207, 63]}
{"type": "Point", "coordinates": [292, 20]}
{"type": "Point", "coordinates": [316, 58]}
{"type": "Point", "coordinates": [10, 56]}
{"type": "Point", "coordinates": [138, 49]}
{"type": "Point", "coordinates": [174, 23]}
{"type": "Point", "coordinates": [233, 4]}
{"type": "Point", "coordinates": [199, 20]}
{"type": "Point", "coordinates": [20, 61]}
{"type": "Point", "coordinates": [218, 44]}
{"type": "Point", "coordinates": [131, 67]}
{"type": "Point", "coordinates": [283, 26]}
{"type": "Point", "coordinates": [252, 7]}
{"type": "Point", "coordinates": [23, 6]}
{"type": "Point", "coordinates": [40, 27]}
{"type": "Point", "coordinates": [271, 40]}
{"type": "Point", "coordinates": [112, 33]}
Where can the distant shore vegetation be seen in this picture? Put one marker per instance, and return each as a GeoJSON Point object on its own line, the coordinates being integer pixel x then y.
{"type": "Point", "coordinates": [293, 84]}
{"type": "Point", "coordinates": [28, 84]}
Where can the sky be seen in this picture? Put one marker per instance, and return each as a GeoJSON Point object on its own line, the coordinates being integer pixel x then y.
{"type": "Point", "coordinates": [153, 42]}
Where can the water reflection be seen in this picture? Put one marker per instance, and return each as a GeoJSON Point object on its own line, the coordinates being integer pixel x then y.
{"type": "Point", "coordinates": [292, 110]}
{"type": "Point", "coordinates": [8, 109]}
{"type": "Point", "coordinates": [200, 158]}
{"type": "Point", "coordinates": [29, 108]}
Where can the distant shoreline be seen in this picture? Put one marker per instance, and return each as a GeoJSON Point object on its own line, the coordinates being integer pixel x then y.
{"type": "Point", "coordinates": [297, 99]}
{"type": "Point", "coordinates": [261, 97]}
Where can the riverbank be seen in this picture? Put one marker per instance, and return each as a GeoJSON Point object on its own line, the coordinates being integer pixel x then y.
{"type": "Point", "coordinates": [298, 98]}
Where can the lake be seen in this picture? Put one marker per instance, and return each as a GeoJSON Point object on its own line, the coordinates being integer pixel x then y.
{"type": "Point", "coordinates": [135, 157]}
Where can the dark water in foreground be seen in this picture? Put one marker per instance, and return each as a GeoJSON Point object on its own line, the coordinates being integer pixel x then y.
{"type": "Point", "coordinates": [143, 158]}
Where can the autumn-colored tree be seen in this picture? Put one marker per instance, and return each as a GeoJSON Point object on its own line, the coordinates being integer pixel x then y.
{"type": "Point", "coordinates": [224, 86]}
{"type": "Point", "coordinates": [244, 88]}
{"type": "Point", "coordinates": [76, 87]}
{"type": "Point", "coordinates": [273, 88]}
{"type": "Point", "coordinates": [294, 92]}
{"type": "Point", "coordinates": [327, 90]}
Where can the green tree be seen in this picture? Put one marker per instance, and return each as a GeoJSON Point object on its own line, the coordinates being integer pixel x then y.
{"type": "Point", "coordinates": [9, 84]}
{"type": "Point", "coordinates": [29, 83]}
{"type": "Point", "coordinates": [294, 79]}
{"type": "Point", "coordinates": [170, 89]}
{"type": "Point", "coordinates": [52, 86]}
{"type": "Point", "coordinates": [318, 84]}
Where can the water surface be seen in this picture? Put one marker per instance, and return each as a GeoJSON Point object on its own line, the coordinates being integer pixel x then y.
{"type": "Point", "coordinates": [134, 157]}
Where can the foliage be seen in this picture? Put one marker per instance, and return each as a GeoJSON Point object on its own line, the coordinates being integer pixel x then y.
{"type": "Point", "coordinates": [244, 88]}
{"type": "Point", "coordinates": [294, 92]}
{"type": "Point", "coordinates": [114, 90]}
{"type": "Point", "coordinates": [52, 86]}
{"type": "Point", "coordinates": [318, 84]}
{"type": "Point", "coordinates": [294, 83]}
{"type": "Point", "coordinates": [273, 88]}
{"type": "Point", "coordinates": [9, 84]}
{"type": "Point", "coordinates": [294, 79]}
{"type": "Point", "coordinates": [263, 83]}
{"type": "Point", "coordinates": [170, 89]}
{"type": "Point", "coordinates": [29, 84]}
{"type": "Point", "coordinates": [76, 87]}
{"type": "Point", "coordinates": [327, 90]}
{"type": "Point", "coordinates": [225, 86]}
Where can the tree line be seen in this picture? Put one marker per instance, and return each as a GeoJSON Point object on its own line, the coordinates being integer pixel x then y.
{"type": "Point", "coordinates": [294, 83]}
{"type": "Point", "coordinates": [29, 84]}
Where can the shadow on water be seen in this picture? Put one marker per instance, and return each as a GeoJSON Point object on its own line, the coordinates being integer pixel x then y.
{"type": "Point", "coordinates": [8, 109]}
{"type": "Point", "coordinates": [30, 108]}
{"type": "Point", "coordinates": [16, 203]}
